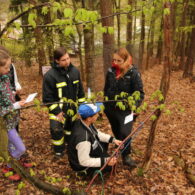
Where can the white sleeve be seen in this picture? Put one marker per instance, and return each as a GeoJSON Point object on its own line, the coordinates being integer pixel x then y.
{"type": "Point", "coordinates": [16, 82]}
{"type": "Point", "coordinates": [16, 105]}
{"type": "Point", "coordinates": [83, 149]}
{"type": "Point", "coordinates": [104, 137]}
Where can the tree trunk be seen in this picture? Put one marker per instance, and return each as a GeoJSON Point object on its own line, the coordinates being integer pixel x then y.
{"type": "Point", "coordinates": [40, 45]}
{"type": "Point", "coordinates": [183, 37]}
{"type": "Point", "coordinates": [108, 39]}
{"type": "Point", "coordinates": [150, 40]}
{"type": "Point", "coordinates": [89, 49]}
{"type": "Point", "coordinates": [164, 86]}
{"type": "Point", "coordinates": [142, 42]}
{"type": "Point", "coordinates": [129, 28]}
{"type": "Point", "coordinates": [118, 7]}
{"type": "Point", "coordinates": [80, 34]}
{"type": "Point", "coordinates": [134, 23]}
{"type": "Point", "coordinates": [160, 44]}
{"type": "Point", "coordinates": [188, 69]}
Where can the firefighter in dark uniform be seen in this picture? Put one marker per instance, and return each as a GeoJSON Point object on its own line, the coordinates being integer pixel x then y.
{"type": "Point", "coordinates": [61, 83]}
{"type": "Point", "coordinates": [122, 77]}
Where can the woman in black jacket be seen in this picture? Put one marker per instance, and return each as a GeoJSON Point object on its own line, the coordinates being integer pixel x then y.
{"type": "Point", "coordinates": [123, 76]}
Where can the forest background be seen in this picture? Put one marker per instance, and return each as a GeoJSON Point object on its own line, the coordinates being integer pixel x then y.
{"type": "Point", "coordinates": [159, 34]}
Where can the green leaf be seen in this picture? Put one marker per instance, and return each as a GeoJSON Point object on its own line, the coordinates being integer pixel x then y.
{"type": "Point", "coordinates": [68, 13]}
{"type": "Point", "coordinates": [21, 185]}
{"type": "Point", "coordinates": [167, 112]}
{"type": "Point", "coordinates": [103, 29]}
{"type": "Point", "coordinates": [17, 192]}
{"type": "Point", "coordinates": [17, 25]}
{"type": "Point", "coordinates": [10, 173]}
{"type": "Point", "coordinates": [31, 19]}
{"type": "Point", "coordinates": [68, 30]}
{"type": "Point", "coordinates": [110, 30]}
{"type": "Point", "coordinates": [153, 117]}
{"type": "Point", "coordinates": [32, 173]}
{"type": "Point", "coordinates": [166, 11]}
{"type": "Point", "coordinates": [66, 191]}
{"type": "Point", "coordinates": [116, 97]}
{"type": "Point", "coordinates": [44, 10]}
{"type": "Point", "coordinates": [161, 107]}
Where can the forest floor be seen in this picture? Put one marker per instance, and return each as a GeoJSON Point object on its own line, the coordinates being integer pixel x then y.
{"type": "Point", "coordinates": [175, 136]}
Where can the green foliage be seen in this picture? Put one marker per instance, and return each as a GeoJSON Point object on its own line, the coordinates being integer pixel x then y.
{"type": "Point", "coordinates": [153, 117]}
{"type": "Point", "coordinates": [69, 30]}
{"type": "Point", "coordinates": [66, 191]}
{"type": "Point", "coordinates": [17, 25]}
{"type": "Point", "coordinates": [44, 10]}
{"type": "Point", "coordinates": [17, 192]}
{"type": "Point", "coordinates": [10, 173]}
{"type": "Point", "coordinates": [121, 105]}
{"type": "Point", "coordinates": [31, 19]}
{"type": "Point", "coordinates": [68, 13]}
{"type": "Point", "coordinates": [167, 112]}
{"type": "Point", "coordinates": [166, 11]}
{"type": "Point", "coordinates": [140, 172]}
{"type": "Point", "coordinates": [21, 185]}
{"type": "Point", "coordinates": [32, 173]}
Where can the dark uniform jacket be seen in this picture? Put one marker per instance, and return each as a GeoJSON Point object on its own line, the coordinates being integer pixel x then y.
{"type": "Point", "coordinates": [91, 143]}
{"type": "Point", "coordinates": [60, 83]}
{"type": "Point", "coordinates": [129, 83]}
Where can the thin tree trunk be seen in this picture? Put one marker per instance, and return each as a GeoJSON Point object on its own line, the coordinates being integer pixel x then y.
{"type": "Point", "coordinates": [108, 39]}
{"type": "Point", "coordinates": [188, 69]}
{"type": "Point", "coordinates": [160, 44]}
{"type": "Point", "coordinates": [142, 42]}
{"type": "Point", "coordinates": [40, 45]}
{"type": "Point", "coordinates": [183, 37]}
{"type": "Point", "coordinates": [89, 49]}
{"type": "Point", "coordinates": [129, 28]}
{"type": "Point", "coordinates": [164, 86]}
{"type": "Point", "coordinates": [118, 6]}
{"type": "Point", "coordinates": [134, 23]}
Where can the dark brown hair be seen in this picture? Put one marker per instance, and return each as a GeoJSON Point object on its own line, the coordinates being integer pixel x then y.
{"type": "Point", "coordinates": [4, 56]}
{"type": "Point", "coordinates": [59, 52]}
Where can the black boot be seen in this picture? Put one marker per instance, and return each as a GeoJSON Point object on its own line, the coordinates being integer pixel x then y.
{"type": "Point", "coordinates": [128, 161]}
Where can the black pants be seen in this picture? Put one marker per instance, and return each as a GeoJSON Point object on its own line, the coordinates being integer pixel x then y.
{"type": "Point", "coordinates": [120, 130]}
{"type": "Point", "coordinates": [60, 133]}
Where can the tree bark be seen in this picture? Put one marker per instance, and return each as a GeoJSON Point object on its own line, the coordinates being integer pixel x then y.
{"type": "Point", "coordinates": [188, 69]}
{"type": "Point", "coordinates": [164, 86]}
{"type": "Point", "coordinates": [118, 6]}
{"type": "Point", "coordinates": [129, 28]}
{"type": "Point", "coordinates": [89, 49]}
{"type": "Point", "coordinates": [142, 42]}
{"type": "Point", "coordinates": [108, 39]}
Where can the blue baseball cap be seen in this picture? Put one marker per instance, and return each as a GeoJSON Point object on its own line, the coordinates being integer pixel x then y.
{"type": "Point", "coordinates": [87, 110]}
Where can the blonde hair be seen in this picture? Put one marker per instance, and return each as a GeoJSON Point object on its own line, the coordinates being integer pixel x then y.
{"type": "Point", "coordinates": [124, 54]}
{"type": "Point", "coordinates": [4, 56]}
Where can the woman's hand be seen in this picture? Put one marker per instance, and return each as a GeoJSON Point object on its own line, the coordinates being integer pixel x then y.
{"type": "Point", "coordinates": [113, 161]}
{"type": "Point", "coordinates": [22, 103]}
{"type": "Point", "coordinates": [117, 142]}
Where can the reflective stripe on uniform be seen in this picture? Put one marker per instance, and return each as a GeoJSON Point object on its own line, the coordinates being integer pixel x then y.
{"type": "Point", "coordinates": [60, 92]}
{"type": "Point", "coordinates": [81, 100]}
{"type": "Point", "coordinates": [77, 81]}
{"type": "Point", "coordinates": [53, 117]}
{"type": "Point", "coordinates": [53, 106]}
{"type": "Point", "coordinates": [58, 142]}
{"type": "Point", "coordinates": [74, 117]}
{"type": "Point", "coordinates": [62, 84]}
{"type": "Point", "coordinates": [66, 132]}
{"type": "Point", "coordinates": [61, 104]}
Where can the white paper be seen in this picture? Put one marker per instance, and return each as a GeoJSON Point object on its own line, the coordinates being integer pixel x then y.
{"type": "Point", "coordinates": [30, 97]}
{"type": "Point", "coordinates": [128, 118]}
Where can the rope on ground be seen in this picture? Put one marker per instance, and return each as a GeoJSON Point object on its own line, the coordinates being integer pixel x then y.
{"type": "Point", "coordinates": [119, 148]}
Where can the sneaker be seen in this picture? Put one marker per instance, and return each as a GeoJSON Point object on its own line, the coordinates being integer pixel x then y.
{"type": "Point", "coordinates": [59, 154]}
{"type": "Point", "coordinates": [26, 164]}
{"type": "Point", "coordinates": [14, 177]}
{"type": "Point", "coordinates": [7, 169]}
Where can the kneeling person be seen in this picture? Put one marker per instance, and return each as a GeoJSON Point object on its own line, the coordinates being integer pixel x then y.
{"type": "Point", "coordinates": [87, 149]}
